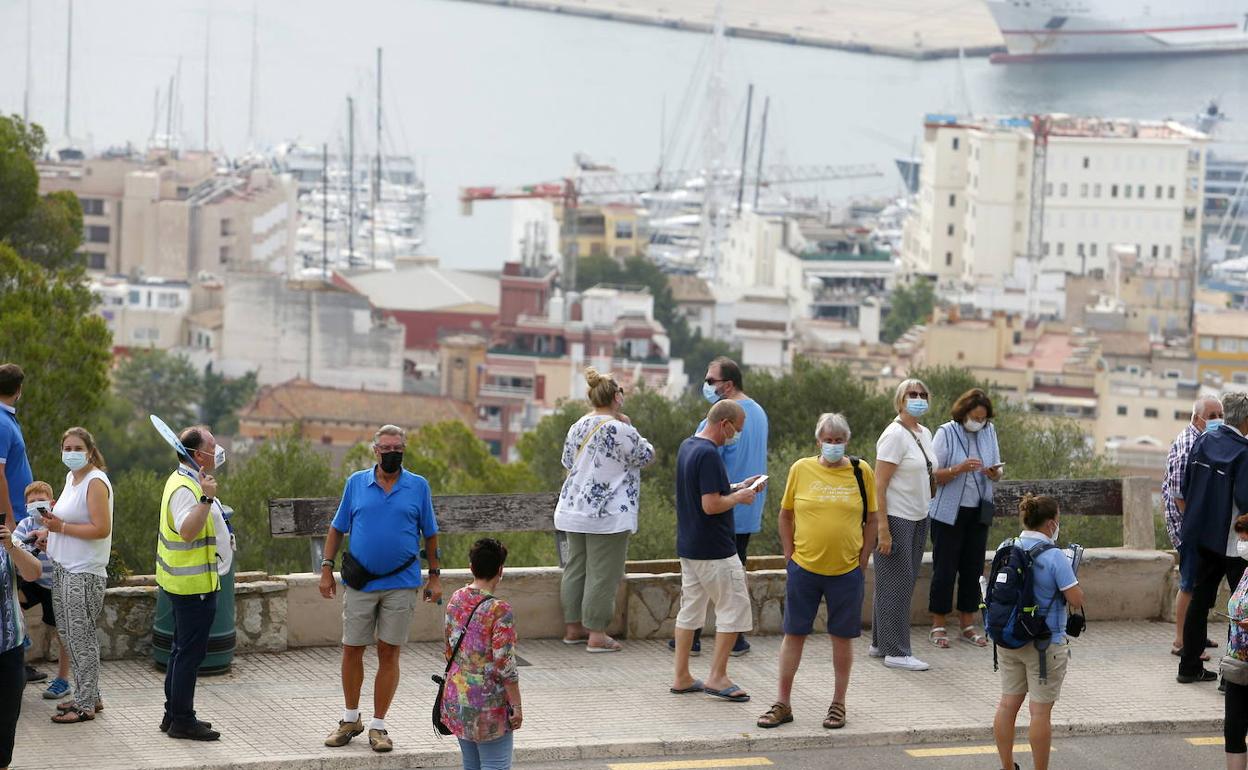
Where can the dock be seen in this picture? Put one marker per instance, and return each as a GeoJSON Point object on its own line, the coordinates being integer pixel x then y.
{"type": "Point", "coordinates": [912, 29]}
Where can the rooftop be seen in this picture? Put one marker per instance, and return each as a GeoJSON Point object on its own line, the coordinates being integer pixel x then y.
{"type": "Point", "coordinates": [302, 400]}
{"type": "Point", "coordinates": [427, 288]}
{"type": "Point", "coordinates": [689, 288]}
{"type": "Point", "coordinates": [1073, 126]}
{"type": "Point", "coordinates": [1226, 323]}
{"type": "Point", "coordinates": [1049, 353]}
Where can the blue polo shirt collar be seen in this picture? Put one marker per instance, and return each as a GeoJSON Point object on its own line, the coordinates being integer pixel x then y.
{"type": "Point", "coordinates": [404, 482]}
{"type": "Point", "coordinates": [8, 408]}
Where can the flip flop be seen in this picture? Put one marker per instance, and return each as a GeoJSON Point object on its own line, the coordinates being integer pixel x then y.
{"type": "Point", "coordinates": [574, 642]}
{"type": "Point", "coordinates": [612, 646]}
{"type": "Point", "coordinates": [1178, 653]}
{"type": "Point", "coordinates": [697, 686]}
{"type": "Point", "coordinates": [730, 693]}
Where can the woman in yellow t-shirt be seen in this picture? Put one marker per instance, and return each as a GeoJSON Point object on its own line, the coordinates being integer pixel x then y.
{"type": "Point", "coordinates": [828, 525]}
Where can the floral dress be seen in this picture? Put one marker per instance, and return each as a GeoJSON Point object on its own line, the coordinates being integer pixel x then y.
{"type": "Point", "coordinates": [1238, 609]}
{"type": "Point", "coordinates": [474, 705]}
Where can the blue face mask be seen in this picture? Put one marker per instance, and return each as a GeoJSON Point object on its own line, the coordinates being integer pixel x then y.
{"type": "Point", "coordinates": [708, 392]}
{"type": "Point", "coordinates": [74, 460]}
{"type": "Point", "coordinates": [1213, 424]}
{"type": "Point", "coordinates": [832, 453]}
{"type": "Point", "coordinates": [916, 407]}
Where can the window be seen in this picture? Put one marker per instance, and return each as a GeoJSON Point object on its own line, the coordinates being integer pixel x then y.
{"type": "Point", "coordinates": [1170, 192]}
{"type": "Point", "coordinates": [1048, 189]}
{"type": "Point", "coordinates": [1126, 191]}
{"type": "Point", "coordinates": [1122, 411]}
{"type": "Point", "coordinates": [1139, 192]}
{"type": "Point", "coordinates": [96, 261]}
{"type": "Point", "coordinates": [1158, 191]}
{"type": "Point", "coordinates": [1061, 249]}
{"type": "Point", "coordinates": [1156, 251]}
{"type": "Point", "coordinates": [1228, 345]}
{"type": "Point", "coordinates": [1150, 412]}
{"type": "Point", "coordinates": [92, 207]}
{"type": "Point", "coordinates": [227, 227]}
{"type": "Point", "coordinates": [1113, 191]}
{"type": "Point", "coordinates": [168, 299]}
{"type": "Point", "coordinates": [1086, 161]}
{"type": "Point", "coordinates": [949, 230]}
{"type": "Point", "coordinates": [1062, 190]}
{"type": "Point", "coordinates": [1169, 251]}
{"type": "Point", "coordinates": [1079, 249]}
{"type": "Point", "coordinates": [1092, 249]}
{"type": "Point", "coordinates": [956, 142]}
{"type": "Point", "coordinates": [953, 200]}
{"type": "Point", "coordinates": [97, 233]}
{"type": "Point", "coordinates": [1096, 190]}
{"type": "Point", "coordinates": [1206, 343]}
{"type": "Point", "coordinates": [948, 259]}
{"type": "Point", "coordinates": [1179, 415]}
{"type": "Point", "coordinates": [1083, 190]}
{"type": "Point", "coordinates": [1240, 378]}
{"type": "Point", "coordinates": [136, 298]}
{"type": "Point", "coordinates": [624, 230]}
{"type": "Point", "coordinates": [224, 255]}
{"type": "Point", "coordinates": [1046, 248]}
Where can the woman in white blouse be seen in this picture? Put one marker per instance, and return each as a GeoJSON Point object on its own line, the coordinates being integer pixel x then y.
{"type": "Point", "coordinates": [79, 543]}
{"type": "Point", "coordinates": [597, 509]}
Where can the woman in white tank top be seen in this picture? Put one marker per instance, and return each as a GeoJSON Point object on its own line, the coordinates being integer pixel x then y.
{"type": "Point", "coordinates": [80, 537]}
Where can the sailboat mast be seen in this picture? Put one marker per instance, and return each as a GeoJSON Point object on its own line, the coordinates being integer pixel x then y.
{"type": "Point", "coordinates": [376, 186]}
{"type": "Point", "coordinates": [29, 71]}
{"type": "Point", "coordinates": [762, 147]}
{"type": "Point", "coordinates": [325, 211]}
{"type": "Point", "coordinates": [350, 178]}
{"type": "Point", "coordinates": [69, 63]}
{"type": "Point", "coordinates": [745, 147]}
{"type": "Point", "coordinates": [207, 70]}
{"type": "Point", "coordinates": [251, 100]}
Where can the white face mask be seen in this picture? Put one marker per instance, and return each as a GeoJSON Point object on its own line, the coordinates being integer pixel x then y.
{"type": "Point", "coordinates": [1241, 547]}
{"type": "Point", "coordinates": [974, 426]}
{"type": "Point", "coordinates": [1056, 529]}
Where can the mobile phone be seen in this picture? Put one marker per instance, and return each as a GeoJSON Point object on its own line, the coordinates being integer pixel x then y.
{"type": "Point", "coordinates": [1224, 616]}
{"type": "Point", "coordinates": [996, 467]}
{"type": "Point", "coordinates": [761, 480]}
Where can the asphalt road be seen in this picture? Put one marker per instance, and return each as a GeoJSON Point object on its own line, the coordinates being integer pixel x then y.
{"type": "Point", "coordinates": [1125, 752]}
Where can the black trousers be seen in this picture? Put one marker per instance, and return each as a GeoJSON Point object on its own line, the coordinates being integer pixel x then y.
{"type": "Point", "coordinates": [1235, 726]}
{"type": "Point", "coordinates": [12, 681]}
{"type": "Point", "coordinates": [192, 624]}
{"type": "Point", "coordinates": [743, 545]}
{"type": "Point", "coordinates": [1210, 569]}
{"type": "Point", "coordinates": [957, 553]}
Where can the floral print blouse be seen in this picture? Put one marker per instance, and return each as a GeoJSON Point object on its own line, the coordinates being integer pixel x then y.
{"type": "Point", "coordinates": [1238, 609]}
{"type": "Point", "coordinates": [474, 704]}
{"type": "Point", "coordinates": [604, 458]}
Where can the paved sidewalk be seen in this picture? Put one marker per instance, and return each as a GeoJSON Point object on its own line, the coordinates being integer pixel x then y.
{"type": "Point", "coordinates": [275, 710]}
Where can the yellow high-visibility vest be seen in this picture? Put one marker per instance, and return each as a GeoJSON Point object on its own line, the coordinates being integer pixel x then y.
{"type": "Point", "coordinates": [181, 567]}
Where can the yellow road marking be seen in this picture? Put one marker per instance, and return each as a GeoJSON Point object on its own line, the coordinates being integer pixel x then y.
{"type": "Point", "coordinates": [964, 751]}
{"type": "Point", "coordinates": [694, 764]}
{"type": "Point", "coordinates": [1206, 741]}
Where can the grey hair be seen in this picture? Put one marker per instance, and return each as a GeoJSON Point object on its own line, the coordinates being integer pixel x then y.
{"type": "Point", "coordinates": [389, 430]}
{"type": "Point", "coordinates": [831, 422]}
{"type": "Point", "coordinates": [1198, 406]}
{"type": "Point", "coordinates": [899, 399]}
{"type": "Point", "coordinates": [1235, 408]}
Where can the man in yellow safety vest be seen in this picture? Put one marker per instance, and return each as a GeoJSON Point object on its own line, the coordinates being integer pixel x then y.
{"type": "Point", "coordinates": [186, 570]}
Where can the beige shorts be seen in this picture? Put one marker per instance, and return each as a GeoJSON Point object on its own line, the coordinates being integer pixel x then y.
{"type": "Point", "coordinates": [368, 616]}
{"type": "Point", "coordinates": [717, 581]}
{"type": "Point", "coordinates": [1020, 671]}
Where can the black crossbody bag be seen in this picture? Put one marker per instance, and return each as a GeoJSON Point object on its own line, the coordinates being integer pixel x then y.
{"type": "Point", "coordinates": [441, 680]}
{"type": "Point", "coordinates": [354, 575]}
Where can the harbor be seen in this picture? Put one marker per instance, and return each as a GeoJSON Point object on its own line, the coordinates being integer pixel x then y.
{"type": "Point", "coordinates": [911, 29]}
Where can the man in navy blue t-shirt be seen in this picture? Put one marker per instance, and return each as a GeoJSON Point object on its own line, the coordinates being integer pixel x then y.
{"type": "Point", "coordinates": [707, 546]}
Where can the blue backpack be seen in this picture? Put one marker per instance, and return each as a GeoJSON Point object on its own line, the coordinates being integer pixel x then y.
{"type": "Point", "coordinates": [1012, 616]}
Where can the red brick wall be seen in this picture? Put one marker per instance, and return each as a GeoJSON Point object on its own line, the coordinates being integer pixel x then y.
{"type": "Point", "coordinates": [424, 328]}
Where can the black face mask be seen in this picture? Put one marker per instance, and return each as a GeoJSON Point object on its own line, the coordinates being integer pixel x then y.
{"type": "Point", "coordinates": [391, 462]}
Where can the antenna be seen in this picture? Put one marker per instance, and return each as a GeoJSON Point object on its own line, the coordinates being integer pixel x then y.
{"type": "Point", "coordinates": [251, 99]}
{"type": "Point", "coordinates": [29, 71]}
{"type": "Point", "coordinates": [745, 147]}
{"type": "Point", "coordinates": [207, 69]}
{"type": "Point", "coordinates": [69, 63]}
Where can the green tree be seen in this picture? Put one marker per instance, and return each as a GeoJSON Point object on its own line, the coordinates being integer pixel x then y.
{"type": "Point", "coordinates": [221, 399]}
{"type": "Point", "coordinates": [47, 327]}
{"type": "Point", "coordinates": [128, 440]}
{"type": "Point", "coordinates": [910, 304]}
{"type": "Point", "coordinates": [48, 229]}
{"type": "Point", "coordinates": [20, 144]}
{"type": "Point", "coordinates": [161, 383]}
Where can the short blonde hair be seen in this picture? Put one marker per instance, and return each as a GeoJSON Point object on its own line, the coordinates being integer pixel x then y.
{"type": "Point", "coordinates": [602, 387]}
{"type": "Point", "coordinates": [40, 487]}
{"type": "Point", "coordinates": [899, 399]}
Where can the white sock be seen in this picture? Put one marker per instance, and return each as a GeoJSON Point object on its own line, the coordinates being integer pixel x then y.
{"type": "Point", "coordinates": [377, 724]}
{"type": "Point", "coordinates": [350, 715]}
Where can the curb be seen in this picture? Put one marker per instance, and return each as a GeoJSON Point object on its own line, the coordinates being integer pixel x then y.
{"type": "Point", "coordinates": [738, 743]}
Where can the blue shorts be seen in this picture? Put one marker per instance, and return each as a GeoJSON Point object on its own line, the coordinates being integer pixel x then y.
{"type": "Point", "coordinates": [1187, 566]}
{"type": "Point", "coordinates": [804, 591]}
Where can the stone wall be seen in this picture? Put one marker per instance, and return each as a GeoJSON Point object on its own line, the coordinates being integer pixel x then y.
{"type": "Point", "coordinates": [275, 613]}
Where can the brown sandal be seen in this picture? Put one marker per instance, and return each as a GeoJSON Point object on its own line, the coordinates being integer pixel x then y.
{"type": "Point", "coordinates": [836, 716]}
{"type": "Point", "coordinates": [778, 714]}
{"type": "Point", "coordinates": [73, 715]}
{"type": "Point", "coordinates": [69, 705]}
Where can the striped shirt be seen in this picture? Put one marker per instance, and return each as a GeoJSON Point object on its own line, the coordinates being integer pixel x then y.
{"type": "Point", "coordinates": [1171, 486]}
{"type": "Point", "coordinates": [25, 528]}
{"type": "Point", "coordinates": [12, 626]}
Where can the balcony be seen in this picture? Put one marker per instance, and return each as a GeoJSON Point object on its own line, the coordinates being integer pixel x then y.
{"type": "Point", "coordinates": [505, 391]}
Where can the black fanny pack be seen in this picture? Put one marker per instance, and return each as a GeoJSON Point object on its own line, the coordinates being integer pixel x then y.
{"type": "Point", "coordinates": [354, 575]}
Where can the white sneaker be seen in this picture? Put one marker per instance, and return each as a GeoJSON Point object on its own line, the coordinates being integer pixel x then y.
{"type": "Point", "coordinates": [874, 652]}
{"type": "Point", "coordinates": [908, 663]}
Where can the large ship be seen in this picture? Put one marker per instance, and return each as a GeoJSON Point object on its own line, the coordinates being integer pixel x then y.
{"type": "Point", "coordinates": [1041, 29]}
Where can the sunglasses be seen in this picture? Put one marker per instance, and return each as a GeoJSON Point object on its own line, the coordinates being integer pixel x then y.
{"type": "Point", "coordinates": [916, 394]}
{"type": "Point", "coordinates": [713, 381]}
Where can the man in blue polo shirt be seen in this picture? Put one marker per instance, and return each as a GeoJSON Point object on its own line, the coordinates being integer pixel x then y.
{"type": "Point", "coordinates": [16, 467]}
{"type": "Point", "coordinates": [385, 510]}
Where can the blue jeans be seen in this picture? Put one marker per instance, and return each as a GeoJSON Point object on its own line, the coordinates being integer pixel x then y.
{"type": "Point", "coordinates": [192, 623]}
{"type": "Point", "coordinates": [492, 755]}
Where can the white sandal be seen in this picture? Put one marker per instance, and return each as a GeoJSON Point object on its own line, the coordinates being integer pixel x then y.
{"type": "Point", "coordinates": [977, 640]}
{"type": "Point", "coordinates": [941, 642]}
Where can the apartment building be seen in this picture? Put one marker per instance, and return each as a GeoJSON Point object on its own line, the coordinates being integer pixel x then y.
{"type": "Point", "coordinates": [176, 214]}
{"type": "Point", "coordinates": [1105, 182]}
{"type": "Point", "coordinates": [1136, 294]}
{"type": "Point", "coordinates": [1222, 346]}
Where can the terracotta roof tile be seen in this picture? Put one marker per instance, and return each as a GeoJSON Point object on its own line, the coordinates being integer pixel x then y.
{"type": "Point", "coordinates": [302, 400]}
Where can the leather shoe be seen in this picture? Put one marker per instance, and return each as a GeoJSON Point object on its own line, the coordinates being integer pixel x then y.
{"type": "Point", "coordinates": [197, 732]}
{"type": "Point", "coordinates": [164, 724]}
{"type": "Point", "coordinates": [1205, 675]}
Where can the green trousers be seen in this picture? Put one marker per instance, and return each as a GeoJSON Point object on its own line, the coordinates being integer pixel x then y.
{"type": "Point", "coordinates": [590, 578]}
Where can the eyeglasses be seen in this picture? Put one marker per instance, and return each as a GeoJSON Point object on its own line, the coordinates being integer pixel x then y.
{"type": "Point", "coordinates": [712, 381]}
{"type": "Point", "coordinates": [916, 394]}
{"type": "Point", "coordinates": [384, 449]}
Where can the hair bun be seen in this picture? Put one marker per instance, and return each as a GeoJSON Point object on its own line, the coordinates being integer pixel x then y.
{"type": "Point", "coordinates": [592, 377]}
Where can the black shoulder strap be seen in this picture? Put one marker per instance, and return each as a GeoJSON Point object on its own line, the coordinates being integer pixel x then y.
{"type": "Point", "coordinates": [862, 486]}
{"type": "Point", "coordinates": [462, 633]}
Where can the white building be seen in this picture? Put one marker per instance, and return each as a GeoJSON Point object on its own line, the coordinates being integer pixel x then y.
{"type": "Point", "coordinates": [144, 313]}
{"type": "Point", "coordinates": [1106, 181]}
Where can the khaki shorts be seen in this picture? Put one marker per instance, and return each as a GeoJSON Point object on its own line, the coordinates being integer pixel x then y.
{"type": "Point", "coordinates": [718, 581]}
{"type": "Point", "coordinates": [377, 615]}
{"type": "Point", "coordinates": [1020, 671]}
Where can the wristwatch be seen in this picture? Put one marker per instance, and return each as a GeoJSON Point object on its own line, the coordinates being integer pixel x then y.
{"type": "Point", "coordinates": [205, 500]}
{"type": "Point", "coordinates": [433, 571]}
{"type": "Point", "coordinates": [327, 563]}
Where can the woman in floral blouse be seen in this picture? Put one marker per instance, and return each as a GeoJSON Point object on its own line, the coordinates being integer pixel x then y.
{"type": "Point", "coordinates": [604, 455]}
{"type": "Point", "coordinates": [481, 704]}
{"type": "Point", "coordinates": [1235, 723]}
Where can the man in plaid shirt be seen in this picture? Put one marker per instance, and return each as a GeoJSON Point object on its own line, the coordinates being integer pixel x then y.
{"type": "Point", "coordinates": [1206, 414]}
